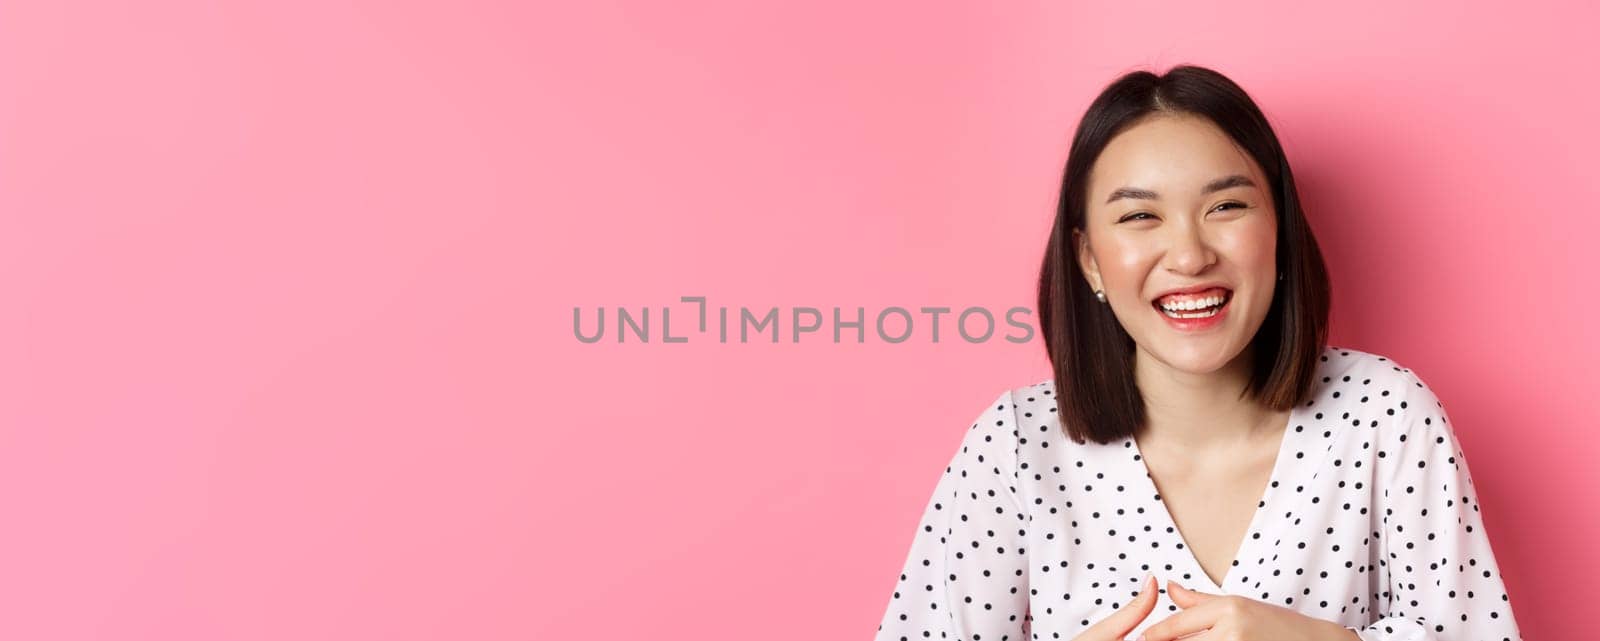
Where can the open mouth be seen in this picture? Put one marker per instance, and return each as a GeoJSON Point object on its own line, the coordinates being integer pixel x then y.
{"type": "Point", "coordinates": [1198, 312]}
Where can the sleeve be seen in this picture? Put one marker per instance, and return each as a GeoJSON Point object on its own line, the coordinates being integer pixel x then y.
{"type": "Point", "coordinates": [1442, 582]}
{"type": "Point", "coordinates": [966, 576]}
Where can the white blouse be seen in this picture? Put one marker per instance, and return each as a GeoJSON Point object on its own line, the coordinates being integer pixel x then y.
{"type": "Point", "coordinates": [1370, 520]}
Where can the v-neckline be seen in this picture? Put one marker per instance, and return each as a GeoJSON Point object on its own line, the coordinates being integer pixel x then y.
{"type": "Point", "coordinates": [1278, 466]}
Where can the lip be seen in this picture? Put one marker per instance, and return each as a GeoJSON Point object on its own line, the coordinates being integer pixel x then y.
{"type": "Point", "coordinates": [1191, 290]}
{"type": "Point", "coordinates": [1196, 324]}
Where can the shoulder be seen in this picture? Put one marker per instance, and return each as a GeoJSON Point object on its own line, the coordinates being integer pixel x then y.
{"type": "Point", "coordinates": [994, 427]}
{"type": "Point", "coordinates": [1395, 397]}
{"type": "Point", "coordinates": [1035, 405]}
{"type": "Point", "coordinates": [1381, 368]}
{"type": "Point", "coordinates": [1013, 402]}
{"type": "Point", "coordinates": [1013, 407]}
{"type": "Point", "coordinates": [1367, 373]}
{"type": "Point", "coordinates": [1016, 417]}
{"type": "Point", "coordinates": [1370, 365]}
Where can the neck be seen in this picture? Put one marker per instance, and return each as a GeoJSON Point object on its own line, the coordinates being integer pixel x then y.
{"type": "Point", "coordinates": [1201, 411]}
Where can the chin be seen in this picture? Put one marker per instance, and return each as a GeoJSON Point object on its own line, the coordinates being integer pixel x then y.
{"type": "Point", "coordinates": [1195, 356]}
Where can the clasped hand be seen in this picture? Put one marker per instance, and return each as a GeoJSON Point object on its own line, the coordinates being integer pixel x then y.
{"type": "Point", "coordinates": [1213, 617]}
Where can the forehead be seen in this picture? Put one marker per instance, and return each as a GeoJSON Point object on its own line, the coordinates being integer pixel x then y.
{"type": "Point", "coordinates": [1169, 154]}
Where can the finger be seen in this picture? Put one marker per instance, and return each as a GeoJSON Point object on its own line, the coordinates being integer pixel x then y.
{"type": "Point", "coordinates": [1187, 622]}
{"type": "Point", "coordinates": [1186, 598]}
{"type": "Point", "coordinates": [1126, 618]}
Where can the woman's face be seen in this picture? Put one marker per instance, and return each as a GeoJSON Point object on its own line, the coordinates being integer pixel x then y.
{"type": "Point", "coordinates": [1175, 204]}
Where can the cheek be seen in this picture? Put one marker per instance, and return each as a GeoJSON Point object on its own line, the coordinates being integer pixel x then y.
{"type": "Point", "coordinates": [1255, 245]}
{"type": "Point", "coordinates": [1123, 260]}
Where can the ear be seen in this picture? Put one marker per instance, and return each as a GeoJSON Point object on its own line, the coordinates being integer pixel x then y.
{"type": "Point", "coordinates": [1086, 262]}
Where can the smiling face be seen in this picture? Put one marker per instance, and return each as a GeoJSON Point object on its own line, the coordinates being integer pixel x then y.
{"type": "Point", "coordinates": [1175, 204]}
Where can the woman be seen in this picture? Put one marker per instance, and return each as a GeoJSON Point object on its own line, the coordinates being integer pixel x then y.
{"type": "Point", "coordinates": [1198, 430]}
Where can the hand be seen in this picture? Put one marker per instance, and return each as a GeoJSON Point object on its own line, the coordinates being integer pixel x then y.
{"type": "Point", "coordinates": [1118, 624]}
{"type": "Point", "coordinates": [1237, 618]}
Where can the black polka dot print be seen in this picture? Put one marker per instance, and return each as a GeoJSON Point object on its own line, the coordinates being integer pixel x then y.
{"type": "Point", "coordinates": [1369, 520]}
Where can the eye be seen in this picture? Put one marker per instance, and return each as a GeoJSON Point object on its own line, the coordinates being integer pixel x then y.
{"type": "Point", "coordinates": [1225, 205]}
{"type": "Point", "coordinates": [1134, 216]}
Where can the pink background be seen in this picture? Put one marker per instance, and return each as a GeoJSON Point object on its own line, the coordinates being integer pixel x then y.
{"type": "Point", "coordinates": [288, 347]}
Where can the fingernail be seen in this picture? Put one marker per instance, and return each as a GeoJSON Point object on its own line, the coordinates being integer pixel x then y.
{"type": "Point", "coordinates": [1148, 582]}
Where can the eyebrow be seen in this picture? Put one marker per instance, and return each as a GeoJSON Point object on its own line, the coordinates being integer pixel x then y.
{"type": "Point", "coordinates": [1217, 185]}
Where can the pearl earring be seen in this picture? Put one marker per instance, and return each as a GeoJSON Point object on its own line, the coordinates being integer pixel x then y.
{"type": "Point", "coordinates": [1100, 294]}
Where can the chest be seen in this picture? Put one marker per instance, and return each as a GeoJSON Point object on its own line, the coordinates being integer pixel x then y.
{"type": "Point", "coordinates": [1213, 504]}
{"type": "Point", "coordinates": [1213, 517]}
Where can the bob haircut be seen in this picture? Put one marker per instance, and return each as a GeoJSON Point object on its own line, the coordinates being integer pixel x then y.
{"type": "Point", "coordinates": [1091, 355]}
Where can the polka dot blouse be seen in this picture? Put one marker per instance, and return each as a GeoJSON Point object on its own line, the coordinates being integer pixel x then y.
{"type": "Point", "coordinates": [1369, 519]}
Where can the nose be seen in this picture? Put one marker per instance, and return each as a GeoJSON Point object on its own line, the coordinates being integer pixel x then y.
{"type": "Point", "coordinates": [1188, 251]}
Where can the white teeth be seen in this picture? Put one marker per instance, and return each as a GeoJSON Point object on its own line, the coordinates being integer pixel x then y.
{"type": "Point", "coordinates": [1184, 305]}
{"type": "Point", "coordinates": [1204, 314]}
